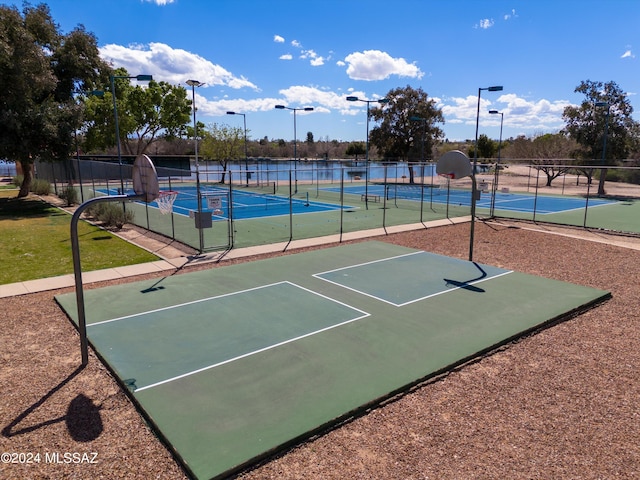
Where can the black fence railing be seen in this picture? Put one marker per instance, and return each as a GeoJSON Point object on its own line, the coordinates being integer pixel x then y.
{"type": "Point", "coordinates": [239, 199]}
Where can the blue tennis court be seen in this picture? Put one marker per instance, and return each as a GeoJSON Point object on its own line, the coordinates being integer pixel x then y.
{"type": "Point", "coordinates": [245, 204]}
{"type": "Point", "coordinates": [515, 202]}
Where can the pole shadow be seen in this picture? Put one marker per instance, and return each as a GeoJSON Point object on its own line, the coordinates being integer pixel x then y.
{"type": "Point", "coordinates": [82, 417]}
{"type": "Point", "coordinates": [468, 284]}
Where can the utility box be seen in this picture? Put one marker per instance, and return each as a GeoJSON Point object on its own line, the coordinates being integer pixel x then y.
{"type": "Point", "coordinates": [203, 220]}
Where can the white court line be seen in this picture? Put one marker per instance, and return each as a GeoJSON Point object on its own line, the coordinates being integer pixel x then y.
{"type": "Point", "coordinates": [363, 314]}
{"type": "Point", "coordinates": [317, 275]}
{"type": "Point", "coordinates": [367, 263]}
{"type": "Point", "coordinates": [451, 289]}
{"type": "Point", "coordinates": [270, 347]}
{"type": "Point", "coordinates": [185, 304]}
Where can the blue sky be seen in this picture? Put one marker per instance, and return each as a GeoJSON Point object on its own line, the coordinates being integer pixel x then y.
{"type": "Point", "coordinates": [254, 54]}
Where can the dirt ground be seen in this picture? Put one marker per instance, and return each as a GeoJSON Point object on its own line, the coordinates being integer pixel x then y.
{"type": "Point", "coordinates": [562, 403]}
{"type": "Point", "coordinates": [559, 404]}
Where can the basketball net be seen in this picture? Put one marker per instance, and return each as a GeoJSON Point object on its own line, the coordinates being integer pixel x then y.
{"type": "Point", "coordinates": [165, 201]}
{"type": "Point", "coordinates": [444, 179]}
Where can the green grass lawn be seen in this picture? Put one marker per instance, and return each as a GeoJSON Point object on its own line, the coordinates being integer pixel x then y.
{"type": "Point", "coordinates": [35, 242]}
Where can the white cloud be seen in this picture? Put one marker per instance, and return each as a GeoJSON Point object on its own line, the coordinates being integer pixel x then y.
{"type": "Point", "coordinates": [485, 23]}
{"type": "Point", "coordinates": [313, 57]}
{"type": "Point", "coordinates": [160, 2]}
{"type": "Point", "coordinates": [628, 54]}
{"type": "Point", "coordinates": [511, 15]}
{"type": "Point", "coordinates": [377, 65]}
{"type": "Point", "coordinates": [286, 56]}
{"type": "Point", "coordinates": [278, 39]}
{"type": "Point", "coordinates": [296, 43]}
{"type": "Point", "coordinates": [321, 100]}
{"type": "Point", "coordinates": [171, 65]}
{"type": "Point", "coordinates": [221, 107]}
{"type": "Point", "coordinates": [308, 54]}
{"type": "Point", "coordinates": [522, 113]}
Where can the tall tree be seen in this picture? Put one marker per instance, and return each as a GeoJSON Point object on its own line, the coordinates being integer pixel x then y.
{"type": "Point", "coordinates": [41, 72]}
{"type": "Point", "coordinates": [487, 148]}
{"type": "Point", "coordinates": [223, 143]}
{"type": "Point", "coordinates": [356, 148]}
{"type": "Point", "coordinates": [397, 134]}
{"type": "Point", "coordinates": [605, 113]}
{"type": "Point", "coordinates": [145, 114]}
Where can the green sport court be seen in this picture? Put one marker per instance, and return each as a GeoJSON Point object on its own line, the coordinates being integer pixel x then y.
{"type": "Point", "coordinates": [232, 364]}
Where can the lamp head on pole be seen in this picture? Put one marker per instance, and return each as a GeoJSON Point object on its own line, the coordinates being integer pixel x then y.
{"type": "Point", "coordinates": [497, 88]}
{"type": "Point", "coordinates": [280, 107]}
{"type": "Point", "coordinates": [308, 109]}
{"type": "Point", "coordinates": [494, 112]}
{"type": "Point", "coordinates": [194, 83]}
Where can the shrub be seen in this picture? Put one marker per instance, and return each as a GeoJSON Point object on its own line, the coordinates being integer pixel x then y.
{"type": "Point", "coordinates": [627, 176]}
{"type": "Point", "coordinates": [70, 195]}
{"type": "Point", "coordinates": [110, 214]}
{"type": "Point", "coordinates": [40, 187]}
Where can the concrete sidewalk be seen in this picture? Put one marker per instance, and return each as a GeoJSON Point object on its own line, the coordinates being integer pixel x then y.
{"type": "Point", "coordinates": [172, 264]}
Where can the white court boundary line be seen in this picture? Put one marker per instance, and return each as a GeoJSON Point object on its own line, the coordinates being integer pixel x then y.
{"type": "Point", "coordinates": [362, 315]}
{"type": "Point", "coordinates": [179, 305]}
{"type": "Point", "coordinates": [317, 275]}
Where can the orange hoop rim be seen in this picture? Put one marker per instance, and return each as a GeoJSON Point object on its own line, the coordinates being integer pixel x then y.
{"type": "Point", "coordinates": [166, 193]}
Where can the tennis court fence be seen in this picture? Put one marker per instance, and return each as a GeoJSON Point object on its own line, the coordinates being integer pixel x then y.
{"type": "Point", "coordinates": [266, 201]}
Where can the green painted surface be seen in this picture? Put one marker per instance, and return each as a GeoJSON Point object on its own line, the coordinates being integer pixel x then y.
{"type": "Point", "coordinates": [220, 418]}
{"type": "Point", "coordinates": [622, 216]}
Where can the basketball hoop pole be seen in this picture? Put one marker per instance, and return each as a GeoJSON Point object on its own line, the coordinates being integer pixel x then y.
{"type": "Point", "coordinates": [77, 270]}
{"type": "Point", "coordinates": [455, 164]}
{"type": "Point", "coordinates": [473, 214]}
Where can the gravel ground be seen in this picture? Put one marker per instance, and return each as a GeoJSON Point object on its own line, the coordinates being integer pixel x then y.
{"type": "Point", "coordinates": [563, 403]}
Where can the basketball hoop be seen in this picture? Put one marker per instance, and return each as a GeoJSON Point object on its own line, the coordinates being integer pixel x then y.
{"type": "Point", "coordinates": [165, 201]}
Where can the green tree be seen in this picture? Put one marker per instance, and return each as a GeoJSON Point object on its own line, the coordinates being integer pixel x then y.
{"type": "Point", "coordinates": [487, 148]}
{"type": "Point", "coordinates": [605, 110]}
{"type": "Point", "coordinates": [398, 135]}
{"type": "Point", "coordinates": [356, 148]}
{"type": "Point", "coordinates": [145, 114]}
{"type": "Point", "coordinates": [41, 72]}
{"type": "Point", "coordinates": [222, 143]}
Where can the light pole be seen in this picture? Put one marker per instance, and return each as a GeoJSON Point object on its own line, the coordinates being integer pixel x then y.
{"type": "Point", "coordinates": [295, 139]}
{"type": "Point", "coordinates": [246, 157]}
{"type": "Point", "coordinates": [93, 93]}
{"type": "Point", "coordinates": [495, 175]}
{"type": "Point", "coordinates": [139, 78]}
{"type": "Point", "coordinates": [604, 146]}
{"type": "Point", "coordinates": [474, 189]}
{"type": "Point", "coordinates": [193, 84]}
{"type": "Point", "coordinates": [381, 101]}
